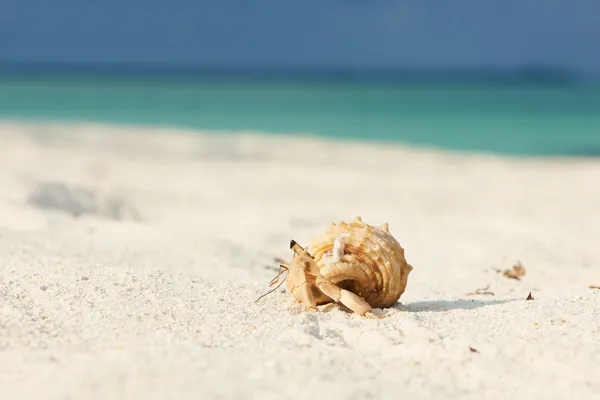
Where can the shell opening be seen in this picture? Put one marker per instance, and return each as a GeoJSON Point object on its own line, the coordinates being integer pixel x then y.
{"type": "Point", "coordinates": [350, 285]}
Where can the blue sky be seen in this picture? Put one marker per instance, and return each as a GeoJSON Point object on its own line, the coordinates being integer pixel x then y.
{"type": "Point", "coordinates": [376, 33]}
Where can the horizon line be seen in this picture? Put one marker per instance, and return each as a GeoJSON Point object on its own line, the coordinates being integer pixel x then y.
{"type": "Point", "coordinates": [525, 73]}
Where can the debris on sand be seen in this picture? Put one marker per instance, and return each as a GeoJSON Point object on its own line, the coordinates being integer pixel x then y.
{"type": "Point", "coordinates": [530, 297]}
{"type": "Point", "coordinates": [481, 291]}
{"type": "Point", "coordinates": [516, 272]}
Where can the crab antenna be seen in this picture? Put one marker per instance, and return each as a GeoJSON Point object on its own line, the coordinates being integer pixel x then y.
{"type": "Point", "coordinates": [274, 280]}
{"type": "Point", "coordinates": [270, 291]}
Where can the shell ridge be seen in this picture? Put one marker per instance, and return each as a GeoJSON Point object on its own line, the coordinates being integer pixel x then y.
{"type": "Point", "coordinates": [356, 266]}
{"type": "Point", "coordinates": [385, 265]}
{"type": "Point", "coordinates": [369, 268]}
{"type": "Point", "coordinates": [369, 240]}
{"type": "Point", "coordinates": [364, 271]}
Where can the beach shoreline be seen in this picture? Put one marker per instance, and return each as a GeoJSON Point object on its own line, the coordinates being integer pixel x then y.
{"type": "Point", "coordinates": [130, 259]}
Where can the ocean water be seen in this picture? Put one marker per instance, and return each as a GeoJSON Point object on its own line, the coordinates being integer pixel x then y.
{"type": "Point", "coordinates": [532, 119]}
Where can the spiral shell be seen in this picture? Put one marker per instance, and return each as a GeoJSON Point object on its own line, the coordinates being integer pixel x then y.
{"type": "Point", "coordinates": [364, 259]}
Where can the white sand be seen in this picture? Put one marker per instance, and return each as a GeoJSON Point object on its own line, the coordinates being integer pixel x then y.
{"type": "Point", "coordinates": [148, 292]}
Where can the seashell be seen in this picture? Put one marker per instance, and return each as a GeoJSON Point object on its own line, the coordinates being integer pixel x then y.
{"type": "Point", "coordinates": [356, 264]}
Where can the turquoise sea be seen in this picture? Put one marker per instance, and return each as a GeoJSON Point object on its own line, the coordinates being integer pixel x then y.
{"type": "Point", "coordinates": [514, 118]}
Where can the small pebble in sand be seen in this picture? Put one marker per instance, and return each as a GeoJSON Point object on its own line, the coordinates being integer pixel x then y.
{"type": "Point", "coordinates": [529, 297]}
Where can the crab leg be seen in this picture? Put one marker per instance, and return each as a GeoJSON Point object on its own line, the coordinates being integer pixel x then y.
{"type": "Point", "coordinates": [347, 298]}
{"type": "Point", "coordinates": [302, 266]}
{"type": "Point", "coordinates": [302, 290]}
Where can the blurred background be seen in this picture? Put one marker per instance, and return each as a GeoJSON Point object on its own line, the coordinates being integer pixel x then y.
{"type": "Point", "coordinates": [515, 77]}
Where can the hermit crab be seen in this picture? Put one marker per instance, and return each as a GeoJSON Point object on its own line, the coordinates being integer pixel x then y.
{"type": "Point", "coordinates": [356, 264]}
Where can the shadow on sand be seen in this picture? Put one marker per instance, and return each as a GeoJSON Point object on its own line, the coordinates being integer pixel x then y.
{"type": "Point", "coordinates": [445, 305]}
